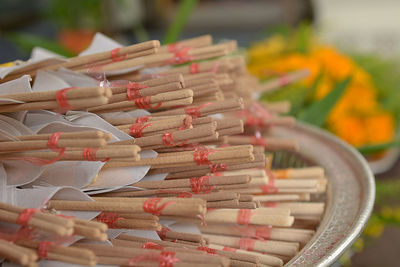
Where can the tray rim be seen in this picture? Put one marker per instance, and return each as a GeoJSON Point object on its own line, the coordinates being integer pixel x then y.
{"type": "Point", "coordinates": [366, 206]}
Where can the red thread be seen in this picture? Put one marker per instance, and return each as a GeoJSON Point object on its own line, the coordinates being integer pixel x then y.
{"type": "Point", "coordinates": [145, 103]}
{"type": "Point", "coordinates": [151, 206]}
{"type": "Point", "coordinates": [201, 185]}
{"type": "Point", "coordinates": [25, 216]}
{"type": "Point", "coordinates": [229, 249]}
{"type": "Point", "coordinates": [62, 100]}
{"type": "Point", "coordinates": [270, 204]}
{"type": "Point", "coordinates": [109, 218]}
{"type": "Point", "coordinates": [151, 245]}
{"type": "Point", "coordinates": [208, 250]}
{"type": "Point", "coordinates": [180, 56]}
{"type": "Point", "coordinates": [270, 187]}
{"type": "Point", "coordinates": [186, 123]}
{"type": "Point", "coordinates": [52, 142]}
{"type": "Point", "coordinates": [194, 68]}
{"type": "Point", "coordinates": [247, 244]}
{"type": "Point", "coordinates": [163, 233]}
{"type": "Point", "coordinates": [136, 130]}
{"type": "Point", "coordinates": [89, 154]}
{"type": "Point", "coordinates": [173, 48]}
{"type": "Point", "coordinates": [200, 155]}
{"type": "Point", "coordinates": [284, 80]}
{"type": "Point", "coordinates": [168, 140]}
{"type": "Point", "coordinates": [219, 167]}
{"type": "Point", "coordinates": [167, 259]}
{"type": "Point", "coordinates": [43, 249]}
{"type": "Point", "coordinates": [133, 90]}
{"type": "Point", "coordinates": [115, 56]}
{"type": "Point", "coordinates": [263, 232]}
{"type": "Point", "coordinates": [258, 141]}
{"type": "Point", "coordinates": [244, 216]}
{"type": "Point", "coordinates": [142, 119]}
{"type": "Point", "coordinates": [195, 111]}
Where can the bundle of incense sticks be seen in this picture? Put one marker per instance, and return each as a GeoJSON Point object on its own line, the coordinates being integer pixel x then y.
{"type": "Point", "coordinates": [214, 150]}
{"type": "Point", "coordinates": [66, 146]}
{"type": "Point", "coordinates": [71, 98]}
{"type": "Point", "coordinates": [41, 235]}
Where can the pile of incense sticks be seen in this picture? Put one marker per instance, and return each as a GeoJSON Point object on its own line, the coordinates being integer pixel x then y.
{"type": "Point", "coordinates": [214, 153]}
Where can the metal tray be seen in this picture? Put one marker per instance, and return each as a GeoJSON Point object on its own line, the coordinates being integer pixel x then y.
{"type": "Point", "coordinates": [350, 193]}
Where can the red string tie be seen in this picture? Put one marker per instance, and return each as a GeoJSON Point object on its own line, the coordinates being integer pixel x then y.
{"type": "Point", "coordinates": [195, 111]}
{"type": "Point", "coordinates": [201, 185]}
{"type": "Point", "coordinates": [263, 232]}
{"type": "Point", "coordinates": [247, 244]}
{"type": "Point", "coordinates": [229, 249]}
{"type": "Point", "coordinates": [208, 250]}
{"type": "Point", "coordinates": [43, 249]}
{"type": "Point", "coordinates": [62, 99]}
{"type": "Point", "coordinates": [172, 48]}
{"type": "Point", "coordinates": [109, 218]}
{"type": "Point", "coordinates": [163, 233]}
{"type": "Point", "coordinates": [270, 187]}
{"type": "Point", "coordinates": [218, 167]}
{"type": "Point", "coordinates": [142, 119]}
{"type": "Point", "coordinates": [145, 103]}
{"type": "Point", "coordinates": [200, 156]}
{"type": "Point", "coordinates": [115, 56]}
{"type": "Point", "coordinates": [25, 216]}
{"type": "Point", "coordinates": [151, 245]}
{"type": "Point", "coordinates": [151, 206]}
{"type": "Point", "coordinates": [194, 68]}
{"type": "Point", "coordinates": [181, 56]}
{"type": "Point", "coordinates": [136, 130]}
{"type": "Point", "coordinates": [133, 90]}
{"type": "Point", "coordinates": [167, 259]}
{"type": "Point", "coordinates": [258, 141]}
{"type": "Point", "coordinates": [244, 216]}
{"type": "Point", "coordinates": [284, 80]}
{"type": "Point", "coordinates": [89, 154]}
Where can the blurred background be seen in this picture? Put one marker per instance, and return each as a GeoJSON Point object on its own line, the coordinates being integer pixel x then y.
{"type": "Point", "coordinates": [338, 40]}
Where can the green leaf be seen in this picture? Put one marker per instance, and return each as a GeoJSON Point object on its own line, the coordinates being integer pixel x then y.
{"type": "Point", "coordinates": [314, 87]}
{"type": "Point", "coordinates": [371, 149]}
{"type": "Point", "coordinates": [318, 111]}
{"type": "Point", "coordinates": [184, 10]}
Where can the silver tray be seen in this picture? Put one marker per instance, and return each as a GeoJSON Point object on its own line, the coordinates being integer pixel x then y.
{"type": "Point", "coordinates": [350, 193]}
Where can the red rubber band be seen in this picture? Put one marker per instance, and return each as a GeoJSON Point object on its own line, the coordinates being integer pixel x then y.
{"type": "Point", "coordinates": [247, 243]}
{"type": "Point", "coordinates": [109, 218]}
{"type": "Point", "coordinates": [133, 90]}
{"type": "Point", "coordinates": [194, 68]}
{"type": "Point", "coordinates": [115, 56]}
{"type": "Point", "coordinates": [142, 119]}
{"type": "Point", "coordinates": [62, 100]}
{"type": "Point", "coordinates": [195, 111]}
{"type": "Point", "coordinates": [244, 216]}
{"type": "Point", "coordinates": [145, 103]}
{"type": "Point", "coordinates": [208, 250]}
{"type": "Point", "coordinates": [229, 249]}
{"type": "Point", "coordinates": [151, 206]}
{"type": "Point", "coordinates": [136, 130]}
{"type": "Point", "coordinates": [201, 185]}
{"type": "Point", "coordinates": [151, 245]}
{"type": "Point", "coordinates": [25, 216]}
{"type": "Point", "coordinates": [43, 249]}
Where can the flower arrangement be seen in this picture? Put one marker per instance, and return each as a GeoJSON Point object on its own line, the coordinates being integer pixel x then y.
{"type": "Point", "coordinates": [360, 115]}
